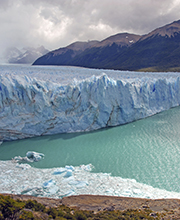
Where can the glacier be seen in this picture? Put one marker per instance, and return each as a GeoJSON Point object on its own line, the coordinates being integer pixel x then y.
{"type": "Point", "coordinates": [35, 103]}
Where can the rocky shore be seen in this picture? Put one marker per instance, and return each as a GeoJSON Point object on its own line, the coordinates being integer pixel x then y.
{"type": "Point", "coordinates": [168, 208]}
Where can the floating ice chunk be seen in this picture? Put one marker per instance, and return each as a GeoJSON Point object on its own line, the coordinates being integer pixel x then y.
{"type": "Point", "coordinates": [27, 190]}
{"type": "Point", "coordinates": [69, 168]}
{"type": "Point", "coordinates": [52, 190]}
{"type": "Point", "coordinates": [87, 167]}
{"type": "Point", "coordinates": [20, 159]}
{"type": "Point", "coordinates": [23, 166]}
{"type": "Point", "coordinates": [67, 180]}
{"type": "Point", "coordinates": [137, 191]}
{"type": "Point", "coordinates": [82, 184]}
{"type": "Point", "coordinates": [59, 171]}
{"type": "Point", "coordinates": [69, 193]}
{"type": "Point", "coordinates": [74, 182]}
{"type": "Point", "coordinates": [50, 187]}
{"type": "Point", "coordinates": [109, 191]}
{"type": "Point", "coordinates": [9, 171]}
{"type": "Point", "coordinates": [48, 183]}
{"type": "Point", "coordinates": [31, 156]}
{"type": "Point", "coordinates": [34, 191]}
{"type": "Point", "coordinates": [34, 156]}
{"type": "Point", "coordinates": [78, 184]}
{"type": "Point", "coordinates": [68, 174]}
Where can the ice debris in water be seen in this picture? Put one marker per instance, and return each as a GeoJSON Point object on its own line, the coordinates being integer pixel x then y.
{"type": "Point", "coordinates": [67, 169]}
{"type": "Point", "coordinates": [31, 156]}
{"type": "Point", "coordinates": [34, 156]}
{"type": "Point", "coordinates": [23, 179]}
{"type": "Point", "coordinates": [59, 171]}
{"type": "Point", "coordinates": [68, 173]}
{"type": "Point", "coordinates": [88, 167]}
{"type": "Point", "coordinates": [23, 166]}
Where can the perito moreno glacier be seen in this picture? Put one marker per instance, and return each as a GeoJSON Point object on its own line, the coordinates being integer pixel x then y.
{"type": "Point", "coordinates": [36, 101]}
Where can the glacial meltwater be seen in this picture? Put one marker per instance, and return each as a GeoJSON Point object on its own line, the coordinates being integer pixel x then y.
{"type": "Point", "coordinates": [146, 151]}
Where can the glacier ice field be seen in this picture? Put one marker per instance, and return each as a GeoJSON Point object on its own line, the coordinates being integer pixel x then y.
{"type": "Point", "coordinates": [36, 101]}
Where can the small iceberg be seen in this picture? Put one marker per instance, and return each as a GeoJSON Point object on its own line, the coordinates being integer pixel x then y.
{"type": "Point", "coordinates": [67, 169]}
{"type": "Point", "coordinates": [59, 171]}
{"type": "Point", "coordinates": [50, 186]}
{"type": "Point", "coordinates": [48, 183]}
{"type": "Point", "coordinates": [68, 173]}
{"type": "Point", "coordinates": [87, 167]}
{"type": "Point", "coordinates": [31, 156]}
{"type": "Point", "coordinates": [23, 166]}
{"type": "Point", "coordinates": [34, 156]}
{"type": "Point", "coordinates": [78, 184]}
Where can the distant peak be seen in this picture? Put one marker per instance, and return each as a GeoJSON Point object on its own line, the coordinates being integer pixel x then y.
{"type": "Point", "coordinates": [81, 45]}
{"type": "Point", "coordinates": [121, 39]}
{"type": "Point", "coordinates": [169, 30]}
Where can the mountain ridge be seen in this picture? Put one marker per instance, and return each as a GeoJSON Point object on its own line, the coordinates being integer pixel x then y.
{"type": "Point", "coordinates": [159, 50]}
{"type": "Point", "coordinates": [25, 55]}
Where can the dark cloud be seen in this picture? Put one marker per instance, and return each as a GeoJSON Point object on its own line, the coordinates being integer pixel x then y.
{"type": "Point", "coordinates": [57, 23]}
{"type": "Point", "coordinates": [5, 4]}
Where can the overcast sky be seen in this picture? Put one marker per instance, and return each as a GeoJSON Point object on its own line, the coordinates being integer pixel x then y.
{"type": "Point", "coordinates": [57, 23]}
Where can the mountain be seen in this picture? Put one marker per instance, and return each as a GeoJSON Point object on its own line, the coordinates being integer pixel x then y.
{"type": "Point", "coordinates": [63, 56]}
{"type": "Point", "coordinates": [100, 54]}
{"type": "Point", "coordinates": [72, 54]}
{"type": "Point", "coordinates": [121, 40]}
{"type": "Point", "coordinates": [26, 55]}
{"type": "Point", "coordinates": [11, 53]}
{"type": "Point", "coordinates": [158, 50]}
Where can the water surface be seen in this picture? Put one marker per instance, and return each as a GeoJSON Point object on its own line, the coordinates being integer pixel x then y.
{"type": "Point", "coordinates": [147, 150]}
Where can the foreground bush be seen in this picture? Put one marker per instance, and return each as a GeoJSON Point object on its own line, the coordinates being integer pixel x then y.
{"type": "Point", "coordinates": [32, 210]}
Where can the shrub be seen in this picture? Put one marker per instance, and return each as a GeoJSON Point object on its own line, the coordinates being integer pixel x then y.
{"type": "Point", "coordinates": [9, 207]}
{"type": "Point", "coordinates": [53, 212]}
{"type": "Point", "coordinates": [34, 205]}
{"type": "Point", "coordinates": [26, 215]}
{"type": "Point", "coordinates": [80, 216]}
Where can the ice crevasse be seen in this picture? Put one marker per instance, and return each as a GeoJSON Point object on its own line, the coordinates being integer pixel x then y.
{"type": "Point", "coordinates": [33, 107]}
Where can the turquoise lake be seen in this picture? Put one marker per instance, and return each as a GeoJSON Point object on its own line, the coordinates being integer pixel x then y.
{"type": "Point", "coordinates": [147, 150]}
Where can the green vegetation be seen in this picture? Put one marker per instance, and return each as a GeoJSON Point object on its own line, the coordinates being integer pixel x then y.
{"type": "Point", "coordinates": [32, 210]}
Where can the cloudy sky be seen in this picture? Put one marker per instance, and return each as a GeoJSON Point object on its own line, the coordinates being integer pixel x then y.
{"type": "Point", "coordinates": [57, 23]}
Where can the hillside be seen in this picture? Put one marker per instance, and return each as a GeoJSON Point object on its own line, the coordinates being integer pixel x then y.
{"type": "Point", "coordinates": [88, 53]}
{"type": "Point", "coordinates": [158, 50]}
{"type": "Point", "coordinates": [63, 56]}
{"type": "Point", "coordinates": [87, 207]}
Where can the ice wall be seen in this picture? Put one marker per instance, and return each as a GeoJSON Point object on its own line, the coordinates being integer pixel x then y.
{"type": "Point", "coordinates": [32, 107]}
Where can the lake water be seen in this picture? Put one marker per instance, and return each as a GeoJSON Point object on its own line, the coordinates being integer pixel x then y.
{"type": "Point", "coordinates": [147, 150]}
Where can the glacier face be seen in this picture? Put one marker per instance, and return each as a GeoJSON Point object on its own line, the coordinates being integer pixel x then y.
{"type": "Point", "coordinates": [32, 106]}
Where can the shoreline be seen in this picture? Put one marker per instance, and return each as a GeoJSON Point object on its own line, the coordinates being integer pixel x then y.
{"type": "Point", "coordinates": [170, 208]}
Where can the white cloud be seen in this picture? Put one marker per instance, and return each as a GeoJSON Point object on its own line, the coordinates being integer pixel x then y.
{"type": "Point", "coordinates": [57, 23]}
